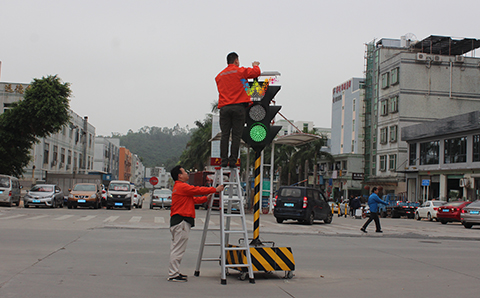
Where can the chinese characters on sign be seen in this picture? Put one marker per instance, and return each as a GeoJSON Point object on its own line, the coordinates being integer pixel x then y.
{"type": "Point", "coordinates": [18, 88]}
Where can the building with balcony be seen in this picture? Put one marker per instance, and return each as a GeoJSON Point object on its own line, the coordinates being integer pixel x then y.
{"type": "Point", "coordinates": [106, 157]}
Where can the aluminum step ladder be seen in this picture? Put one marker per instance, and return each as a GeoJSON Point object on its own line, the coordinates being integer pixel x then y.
{"type": "Point", "coordinates": [226, 200]}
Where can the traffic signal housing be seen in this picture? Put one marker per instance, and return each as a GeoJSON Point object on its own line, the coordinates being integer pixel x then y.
{"type": "Point", "coordinates": [258, 131]}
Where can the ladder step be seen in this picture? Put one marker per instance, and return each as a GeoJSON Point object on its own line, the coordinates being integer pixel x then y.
{"type": "Point", "coordinates": [234, 231]}
{"type": "Point", "coordinates": [211, 259]}
{"type": "Point", "coordinates": [212, 244]}
{"type": "Point", "coordinates": [233, 215]}
{"type": "Point", "coordinates": [237, 248]}
{"type": "Point", "coordinates": [236, 265]}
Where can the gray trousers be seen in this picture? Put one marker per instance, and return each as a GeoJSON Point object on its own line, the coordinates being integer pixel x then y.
{"type": "Point", "coordinates": [180, 234]}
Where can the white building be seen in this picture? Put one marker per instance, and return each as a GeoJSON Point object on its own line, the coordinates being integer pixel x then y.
{"type": "Point", "coordinates": [106, 156]}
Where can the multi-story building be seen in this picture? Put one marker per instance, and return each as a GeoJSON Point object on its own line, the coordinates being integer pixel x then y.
{"type": "Point", "coordinates": [138, 171]}
{"type": "Point", "coordinates": [345, 175]}
{"type": "Point", "coordinates": [124, 164]}
{"type": "Point", "coordinates": [444, 158]}
{"type": "Point", "coordinates": [409, 82]}
{"type": "Point", "coordinates": [106, 156]}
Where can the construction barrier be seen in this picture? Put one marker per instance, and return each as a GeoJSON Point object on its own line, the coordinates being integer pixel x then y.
{"type": "Point", "coordinates": [264, 259]}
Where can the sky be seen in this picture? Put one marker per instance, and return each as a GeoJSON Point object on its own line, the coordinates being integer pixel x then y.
{"type": "Point", "coordinates": [153, 63]}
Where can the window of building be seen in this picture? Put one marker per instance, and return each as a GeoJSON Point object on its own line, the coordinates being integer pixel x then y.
{"type": "Point", "coordinates": [429, 152]}
{"type": "Point", "coordinates": [344, 165]}
{"type": "Point", "coordinates": [383, 163]}
{"type": "Point", "coordinates": [395, 77]}
{"type": "Point", "coordinates": [62, 155]}
{"type": "Point", "coordinates": [476, 148]}
{"type": "Point", "coordinates": [412, 158]}
{"type": "Point", "coordinates": [353, 125]}
{"type": "Point", "coordinates": [394, 104]}
{"type": "Point", "coordinates": [456, 150]}
{"type": "Point", "coordinates": [384, 110]}
{"type": "Point", "coordinates": [353, 105]}
{"type": "Point", "coordinates": [383, 135]}
{"type": "Point", "coordinates": [55, 154]}
{"type": "Point", "coordinates": [393, 133]}
{"type": "Point", "coordinates": [46, 152]}
{"type": "Point", "coordinates": [69, 159]}
{"type": "Point", "coordinates": [385, 80]}
{"type": "Point", "coordinates": [392, 162]}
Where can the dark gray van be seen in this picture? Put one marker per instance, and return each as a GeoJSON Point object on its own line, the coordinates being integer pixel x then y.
{"type": "Point", "coordinates": [304, 204]}
{"type": "Point", "coordinates": [9, 190]}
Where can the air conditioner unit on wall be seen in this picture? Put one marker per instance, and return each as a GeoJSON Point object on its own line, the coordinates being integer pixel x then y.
{"type": "Point", "coordinates": [421, 56]}
{"type": "Point", "coordinates": [437, 58]}
{"type": "Point", "coordinates": [459, 58]}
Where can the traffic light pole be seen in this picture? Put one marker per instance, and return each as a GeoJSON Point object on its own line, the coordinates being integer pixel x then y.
{"type": "Point", "coordinates": [256, 200]}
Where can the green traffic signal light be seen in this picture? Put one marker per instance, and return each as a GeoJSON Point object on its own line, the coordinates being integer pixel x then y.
{"type": "Point", "coordinates": [258, 132]}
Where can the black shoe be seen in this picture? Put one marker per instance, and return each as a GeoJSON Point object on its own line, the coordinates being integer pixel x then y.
{"type": "Point", "coordinates": [177, 278]}
{"type": "Point", "coordinates": [378, 231]}
{"type": "Point", "coordinates": [363, 230]}
{"type": "Point", "coordinates": [184, 276]}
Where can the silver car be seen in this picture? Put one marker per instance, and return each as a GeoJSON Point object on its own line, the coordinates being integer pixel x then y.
{"type": "Point", "coordinates": [49, 195]}
{"type": "Point", "coordinates": [161, 198]}
{"type": "Point", "coordinates": [471, 215]}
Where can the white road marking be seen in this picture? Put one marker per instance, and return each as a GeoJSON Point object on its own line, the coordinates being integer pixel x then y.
{"type": "Point", "coordinates": [13, 216]}
{"type": "Point", "coordinates": [86, 218]}
{"type": "Point", "coordinates": [111, 219]}
{"type": "Point", "coordinates": [63, 217]}
{"type": "Point", "coordinates": [37, 217]}
{"type": "Point", "coordinates": [135, 219]}
{"type": "Point", "coordinates": [159, 219]}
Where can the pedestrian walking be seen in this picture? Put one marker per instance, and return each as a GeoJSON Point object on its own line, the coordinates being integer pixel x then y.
{"type": "Point", "coordinates": [373, 202]}
{"type": "Point", "coordinates": [233, 100]}
{"type": "Point", "coordinates": [182, 217]}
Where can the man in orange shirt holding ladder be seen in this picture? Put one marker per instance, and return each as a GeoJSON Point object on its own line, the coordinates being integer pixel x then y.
{"type": "Point", "coordinates": [182, 217]}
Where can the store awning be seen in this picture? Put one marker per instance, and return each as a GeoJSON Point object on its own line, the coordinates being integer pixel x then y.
{"type": "Point", "coordinates": [296, 139]}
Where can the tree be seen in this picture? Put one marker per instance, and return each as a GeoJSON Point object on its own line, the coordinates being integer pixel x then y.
{"type": "Point", "coordinates": [198, 148]}
{"type": "Point", "coordinates": [43, 111]}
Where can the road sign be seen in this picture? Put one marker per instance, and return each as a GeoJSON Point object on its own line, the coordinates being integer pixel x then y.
{"type": "Point", "coordinates": [153, 181]}
{"type": "Point", "coordinates": [425, 182]}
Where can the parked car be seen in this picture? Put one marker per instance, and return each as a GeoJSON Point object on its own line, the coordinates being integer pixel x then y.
{"type": "Point", "coordinates": [137, 199]}
{"type": "Point", "coordinates": [9, 190]}
{"type": "Point", "coordinates": [428, 210]}
{"type": "Point", "coordinates": [120, 194]}
{"type": "Point", "coordinates": [85, 195]}
{"type": "Point", "coordinates": [471, 215]}
{"type": "Point", "coordinates": [161, 198]}
{"type": "Point", "coordinates": [451, 211]}
{"type": "Point", "coordinates": [301, 203]}
{"type": "Point", "coordinates": [49, 195]}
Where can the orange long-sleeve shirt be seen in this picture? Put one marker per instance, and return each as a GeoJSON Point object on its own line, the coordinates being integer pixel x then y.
{"type": "Point", "coordinates": [184, 200]}
{"type": "Point", "coordinates": [231, 84]}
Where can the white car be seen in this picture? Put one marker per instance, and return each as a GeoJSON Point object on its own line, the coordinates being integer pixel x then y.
{"type": "Point", "coordinates": [137, 199]}
{"type": "Point", "coordinates": [428, 210]}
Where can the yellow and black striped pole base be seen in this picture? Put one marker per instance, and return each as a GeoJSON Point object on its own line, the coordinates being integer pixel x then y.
{"type": "Point", "coordinates": [256, 201]}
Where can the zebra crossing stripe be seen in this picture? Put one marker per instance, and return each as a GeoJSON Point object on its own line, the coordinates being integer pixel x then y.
{"type": "Point", "coordinates": [63, 217]}
{"type": "Point", "coordinates": [159, 219]}
{"type": "Point", "coordinates": [13, 216]}
{"type": "Point", "coordinates": [86, 218]}
{"type": "Point", "coordinates": [135, 219]}
{"type": "Point", "coordinates": [37, 217]}
{"type": "Point", "coordinates": [111, 218]}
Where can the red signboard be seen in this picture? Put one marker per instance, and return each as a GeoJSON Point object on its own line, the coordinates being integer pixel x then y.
{"type": "Point", "coordinates": [153, 181]}
{"type": "Point", "coordinates": [217, 161]}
